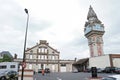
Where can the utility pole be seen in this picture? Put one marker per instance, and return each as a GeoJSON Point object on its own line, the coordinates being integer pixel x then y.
{"type": "Point", "coordinates": [24, 62]}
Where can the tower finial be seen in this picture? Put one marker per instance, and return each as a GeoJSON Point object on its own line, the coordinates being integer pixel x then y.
{"type": "Point", "coordinates": [90, 6]}
{"type": "Point", "coordinates": [91, 13]}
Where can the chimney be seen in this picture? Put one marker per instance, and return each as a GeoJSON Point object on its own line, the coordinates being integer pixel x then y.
{"type": "Point", "coordinates": [15, 56]}
{"type": "Point", "coordinates": [43, 42]}
{"type": "Point", "coordinates": [75, 59]}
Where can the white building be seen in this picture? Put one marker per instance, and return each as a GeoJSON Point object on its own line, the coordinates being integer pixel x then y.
{"type": "Point", "coordinates": [43, 56]}
{"type": "Point", "coordinates": [109, 60]}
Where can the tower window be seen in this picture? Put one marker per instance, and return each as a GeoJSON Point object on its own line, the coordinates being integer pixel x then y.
{"type": "Point", "coordinates": [98, 39]}
{"type": "Point", "coordinates": [89, 40]}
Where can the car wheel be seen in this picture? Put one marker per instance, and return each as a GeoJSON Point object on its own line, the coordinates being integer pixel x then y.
{"type": "Point", "coordinates": [3, 78]}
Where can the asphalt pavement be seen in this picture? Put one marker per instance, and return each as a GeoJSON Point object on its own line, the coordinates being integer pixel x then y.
{"type": "Point", "coordinates": [67, 76]}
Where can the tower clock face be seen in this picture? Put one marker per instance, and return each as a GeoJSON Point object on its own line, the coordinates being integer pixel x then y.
{"type": "Point", "coordinates": [98, 27]}
{"type": "Point", "coordinates": [87, 29]}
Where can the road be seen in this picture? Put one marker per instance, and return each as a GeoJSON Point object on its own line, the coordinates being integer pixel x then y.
{"type": "Point", "coordinates": [67, 76]}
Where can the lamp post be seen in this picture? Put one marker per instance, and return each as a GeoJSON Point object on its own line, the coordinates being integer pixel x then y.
{"type": "Point", "coordinates": [23, 62]}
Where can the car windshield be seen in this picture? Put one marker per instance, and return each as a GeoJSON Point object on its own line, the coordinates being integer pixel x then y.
{"type": "Point", "coordinates": [118, 68]}
{"type": "Point", "coordinates": [6, 71]}
{"type": "Point", "coordinates": [10, 72]}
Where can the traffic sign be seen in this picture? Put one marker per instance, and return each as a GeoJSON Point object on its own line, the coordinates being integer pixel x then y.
{"type": "Point", "coordinates": [24, 64]}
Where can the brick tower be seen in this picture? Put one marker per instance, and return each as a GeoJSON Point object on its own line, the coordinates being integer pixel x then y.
{"type": "Point", "coordinates": [94, 31]}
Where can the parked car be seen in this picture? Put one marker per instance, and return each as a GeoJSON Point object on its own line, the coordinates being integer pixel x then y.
{"type": "Point", "coordinates": [39, 70]}
{"type": "Point", "coordinates": [9, 75]}
{"type": "Point", "coordinates": [99, 70]}
{"type": "Point", "coordinates": [87, 70]}
{"type": "Point", "coordinates": [113, 77]}
{"type": "Point", "coordinates": [47, 70]}
{"type": "Point", "coordinates": [109, 70]}
{"type": "Point", "coordinates": [75, 71]}
{"type": "Point", "coordinates": [117, 70]}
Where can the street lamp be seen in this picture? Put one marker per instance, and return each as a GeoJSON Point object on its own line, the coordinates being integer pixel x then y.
{"type": "Point", "coordinates": [23, 62]}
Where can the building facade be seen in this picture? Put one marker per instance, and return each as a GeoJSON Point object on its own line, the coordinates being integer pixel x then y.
{"type": "Point", "coordinates": [94, 31]}
{"type": "Point", "coordinates": [108, 60]}
{"type": "Point", "coordinates": [43, 56]}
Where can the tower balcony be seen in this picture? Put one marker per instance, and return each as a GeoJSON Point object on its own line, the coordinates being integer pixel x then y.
{"type": "Point", "coordinates": [94, 32]}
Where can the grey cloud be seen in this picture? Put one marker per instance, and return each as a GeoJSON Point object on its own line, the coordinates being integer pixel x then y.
{"type": "Point", "coordinates": [82, 42]}
{"type": "Point", "coordinates": [13, 14]}
{"type": "Point", "coordinates": [112, 44]}
{"type": "Point", "coordinates": [10, 22]}
{"type": "Point", "coordinates": [38, 25]}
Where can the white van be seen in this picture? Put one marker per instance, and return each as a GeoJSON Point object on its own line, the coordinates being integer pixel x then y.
{"type": "Point", "coordinates": [7, 66]}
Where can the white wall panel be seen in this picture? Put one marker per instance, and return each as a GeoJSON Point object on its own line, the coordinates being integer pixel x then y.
{"type": "Point", "coordinates": [116, 62]}
{"type": "Point", "coordinates": [99, 62]}
{"type": "Point", "coordinates": [63, 69]}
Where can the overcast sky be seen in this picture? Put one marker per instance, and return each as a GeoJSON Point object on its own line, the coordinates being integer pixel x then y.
{"type": "Point", "coordinates": [60, 22]}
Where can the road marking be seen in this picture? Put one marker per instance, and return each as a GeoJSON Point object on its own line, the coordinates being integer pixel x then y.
{"type": "Point", "coordinates": [58, 78]}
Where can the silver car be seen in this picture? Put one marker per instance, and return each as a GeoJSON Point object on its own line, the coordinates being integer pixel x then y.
{"type": "Point", "coordinates": [113, 77]}
{"type": "Point", "coordinates": [9, 75]}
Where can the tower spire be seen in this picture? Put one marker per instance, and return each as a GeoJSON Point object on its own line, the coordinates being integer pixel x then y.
{"type": "Point", "coordinates": [91, 13]}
